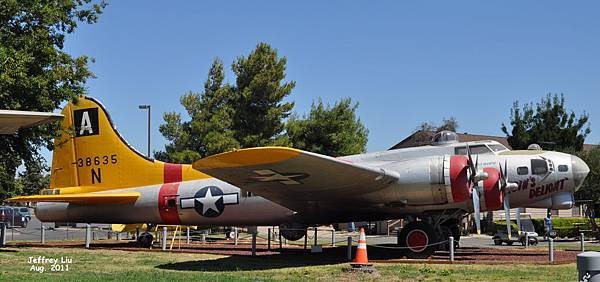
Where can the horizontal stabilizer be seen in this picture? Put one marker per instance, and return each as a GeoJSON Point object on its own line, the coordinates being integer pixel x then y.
{"type": "Point", "coordinates": [11, 121]}
{"type": "Point", "coordinates": [82, 198]}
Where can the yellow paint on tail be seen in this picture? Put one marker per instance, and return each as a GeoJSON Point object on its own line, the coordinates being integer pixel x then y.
{"type": "Point", "coordinates": [92, 156]}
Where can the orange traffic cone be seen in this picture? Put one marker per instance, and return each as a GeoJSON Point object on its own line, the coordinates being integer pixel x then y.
{"type": "Point", "coordinates": [361, 259]}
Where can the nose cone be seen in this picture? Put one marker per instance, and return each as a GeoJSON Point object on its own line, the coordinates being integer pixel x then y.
{"type": "Point", "coordinates": [580, 171]}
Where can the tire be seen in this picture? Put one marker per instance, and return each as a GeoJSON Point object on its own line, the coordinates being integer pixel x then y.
{"type": "Point", "coordinates": [497, 242]}
{"type": "Point", "coordinates": [417, 237]}
{"type": "Point", "coordinates": [145, 240]}
{"type": "Point", "coordinates": [509, 243]}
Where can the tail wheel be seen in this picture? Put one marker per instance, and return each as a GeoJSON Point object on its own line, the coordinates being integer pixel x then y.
{"type": "Point", "coordinates": [417, 238]}
{"type": "Point", "coordinates": [145, 240]}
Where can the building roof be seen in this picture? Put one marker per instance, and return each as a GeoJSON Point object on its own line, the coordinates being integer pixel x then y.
{"type": "Point", "coordinates": [422, 138]}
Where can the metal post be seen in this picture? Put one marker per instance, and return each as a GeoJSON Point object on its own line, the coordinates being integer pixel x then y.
{"type": "Point", "coordinates": [88, 235]}
{"type": "Point", "coordinates": [451, 242]}
{"type": "Point", "coordinates": [2, 234]}
{"type": "Point", "coordinates": [280, 242]}
{"type": "Point", "coordinates": [147, 107]}
{"type": "Point", "coordinates": [269, 240]}
{"type": "Point", "coordinates": [551, 249]}
{"type": "Point", "coordinates": [12, 227]}
{"type": "Point", "coordinates": [526, 240]}
{"type": "Point", "coordinates": [187, 235]}
{"type": "Point", "coordinates": [149, 110]}
{"type": "Point", "coordinates": [43, 234]}
{"type": "Point", "coordinates": [333, 237]}
{"type": "Point", "coordinates": [316, 235]}
{"type": "Point", "coordinates": [349, 248]}
{"type": "Point", "coordinates": [305, 238]}
{"type": "Point", "coordinates": [254, 243]}
{"type": "Point", "coordinates": [582, 241]}
{"type": "Point", "coordinates": [235, 236]}
{"type": "Point", "coordinates": [164, 238]}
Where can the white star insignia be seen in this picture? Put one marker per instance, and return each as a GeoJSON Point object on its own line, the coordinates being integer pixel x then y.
{"type": "Point", "coordinates": [209, 202]}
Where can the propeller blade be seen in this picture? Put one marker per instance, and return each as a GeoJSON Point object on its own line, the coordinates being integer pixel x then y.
{"type": "Point", "coordinates": [476, 209]}
{"type": "Point", "coordinates": [505, 168]}
{"type": "Point", "coordinates": [507, 214]}
{"type": "Point", "coordinates": [518, 218]}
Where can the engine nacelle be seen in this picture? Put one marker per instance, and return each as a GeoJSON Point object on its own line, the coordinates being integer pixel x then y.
{"type": "Point", "coordinates": [292, 231]}
{"type": "Point", "coordinates": [459, 181]}
{"type": "Point", "coordinates": [492, 195]}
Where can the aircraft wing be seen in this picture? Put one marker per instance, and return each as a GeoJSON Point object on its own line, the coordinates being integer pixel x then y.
{"type": "Point", "coordinates": [11, 121]}
{"type": "Point", "coordinates": [295, 178]}
{"type": "Point", "coordinates": [82, 198]}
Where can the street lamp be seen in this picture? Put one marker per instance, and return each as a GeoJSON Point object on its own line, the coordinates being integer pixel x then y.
{"type": "Point", "coordinates": [147, 107]}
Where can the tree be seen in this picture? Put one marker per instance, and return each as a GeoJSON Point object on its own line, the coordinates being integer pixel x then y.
{"type": "Point", "coordinates": [33, 179]}
{"type": "Point", "coordinates": [259, 94]}
{"type": "Point", "coordinates": [333, 131]}
{"type": "Point", "coordinates": [210, 129]}
{"type": "Point", "coordinates": [450, 124]}
{"type": "Point", "coordinates": [35, 74]}
{"type": "Point", "coordinates": [590, 189]}
{"type": "Point", "coordinates": [549, 124]}
{"type": "Point", "coordinates": [223, 117]}
{"type": "Point", "coordinates": [422, 136]}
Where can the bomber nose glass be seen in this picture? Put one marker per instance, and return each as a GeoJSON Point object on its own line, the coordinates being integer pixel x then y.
{"type": "Point", "coordinates": [580, 171]}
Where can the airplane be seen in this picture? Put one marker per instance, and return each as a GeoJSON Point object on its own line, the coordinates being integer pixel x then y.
{"type": "Point", "coordinates": [98, 177]}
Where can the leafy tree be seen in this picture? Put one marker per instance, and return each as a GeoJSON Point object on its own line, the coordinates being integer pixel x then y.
{"type": "Point", "coordinates": [223, 117]}
{"type": "Point", "coordinates": [33, 179]}
{"type": "Point", "coordinates": [35, 74]}
{"type": "Point", "coordinates": [259, 94]}
{"type": "Point", "coordinates": [450, 124]}
{"type": "Point", "coordinates": [210, 129]}
{"type": "Point", "coordinates": [422, 136]}
{"type": "Point", "coordinates": [590, 189]}
{"type": "Point", "coordinates": [333, 131]}
{"type": "Point", "coordinates": [548, 124]}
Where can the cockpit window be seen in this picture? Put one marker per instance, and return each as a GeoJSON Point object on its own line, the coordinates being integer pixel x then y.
{"type": "Point", "coordinates": [539, 167]}
{"type": "Point", "coordinates": [563, 168]}
{"type": "Point", "coordinates": [497, 147]}
{"type": "Point", "coordinates": [522, 170]}
{"type": "Point", "coordinates": [475, 150]}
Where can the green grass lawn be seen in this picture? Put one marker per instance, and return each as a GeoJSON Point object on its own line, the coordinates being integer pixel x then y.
{"type": "Point", "coordinates": [124, 266]}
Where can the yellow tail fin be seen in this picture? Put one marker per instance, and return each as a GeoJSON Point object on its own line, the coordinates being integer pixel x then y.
{"type": "Point", "coordinates": [91, 155]}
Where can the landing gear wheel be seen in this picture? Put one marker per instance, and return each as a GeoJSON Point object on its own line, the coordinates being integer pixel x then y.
{"type": "Point", "coordinates": [145, 240]}
{"type": "Point", "coordinates": [417, 238]}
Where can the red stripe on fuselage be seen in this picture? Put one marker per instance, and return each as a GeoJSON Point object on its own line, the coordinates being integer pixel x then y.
{"type": "Point", "coordinates": [169, 215]}
{"type": "Point", "coordinates": [172, 173]}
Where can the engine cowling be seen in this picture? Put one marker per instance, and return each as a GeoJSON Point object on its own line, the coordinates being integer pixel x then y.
{"type": "Point", "coordinates": [492, 195]}
{"type": "Point", "coordinates": [459, 180]}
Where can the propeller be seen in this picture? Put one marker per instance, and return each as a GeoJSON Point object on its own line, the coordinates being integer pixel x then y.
{"type": "Point", "coordinates": [474, 177]}
{"type": "Point", "coordinates": [505, 187]}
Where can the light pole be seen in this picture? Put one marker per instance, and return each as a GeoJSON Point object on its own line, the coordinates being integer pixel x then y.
{"type": "Point", "coordinates": [147, 107]}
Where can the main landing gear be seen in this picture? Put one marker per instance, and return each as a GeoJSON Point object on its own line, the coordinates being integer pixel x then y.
{"type": "Point", "coordinates": [420, 239]}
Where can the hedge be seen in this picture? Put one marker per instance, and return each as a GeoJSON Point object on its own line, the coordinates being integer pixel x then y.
{"type": "Point", "coordinates": [565, 227]}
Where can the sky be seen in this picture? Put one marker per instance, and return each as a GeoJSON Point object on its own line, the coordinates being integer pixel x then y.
{"type": "Point", "coordinates": [405, 62]}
